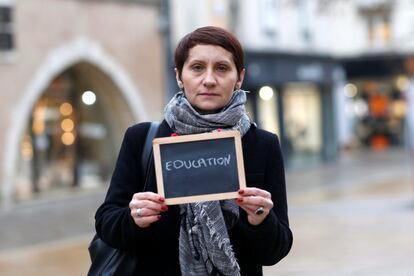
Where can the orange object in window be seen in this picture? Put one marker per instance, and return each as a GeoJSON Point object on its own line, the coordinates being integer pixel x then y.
{"type": "Point", "coordinates": [378, 105]}
{"type": "Point", "coordinates": [379, 142]}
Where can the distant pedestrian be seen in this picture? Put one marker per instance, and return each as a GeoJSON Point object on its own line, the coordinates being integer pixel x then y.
{"type": "Point", "coordinates": [230, 237]}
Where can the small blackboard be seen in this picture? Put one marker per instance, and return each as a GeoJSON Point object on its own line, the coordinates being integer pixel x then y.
{"type": "Point", "coordinates": [199, 167]}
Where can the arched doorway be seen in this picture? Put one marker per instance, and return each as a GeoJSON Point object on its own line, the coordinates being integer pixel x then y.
{"type": "Point", "coordinates": [72, 135]}
{"type": "Point", "coordinates": [79, 51]}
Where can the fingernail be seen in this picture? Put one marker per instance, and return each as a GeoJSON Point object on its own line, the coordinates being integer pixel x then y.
{"type": "Point", "coordinates": [241, 192]}
{"type": "Point", "coordinates": [219, 130]}
{"type": "Point", "coordinates": [161, 199]}
{"type": "Point", "coordinates": [239, 199]}
{"type": "Point", "coordinates": [164, 208]}
{"type": "Point", "coordinates": [159, 216]}
{"type": "Point", "coordinates": [174, 134]}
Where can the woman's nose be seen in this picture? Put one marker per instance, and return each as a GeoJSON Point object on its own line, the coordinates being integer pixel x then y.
{"type": "Point", "coordinates": [209, 79]}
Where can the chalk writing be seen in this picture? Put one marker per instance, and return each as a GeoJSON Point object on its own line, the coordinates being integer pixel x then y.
{"type": "Point", "coordinates": [198, 163]}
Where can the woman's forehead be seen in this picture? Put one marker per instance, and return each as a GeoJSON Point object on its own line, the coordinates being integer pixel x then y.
{"type": "Point", "coordinates": [209, 52]}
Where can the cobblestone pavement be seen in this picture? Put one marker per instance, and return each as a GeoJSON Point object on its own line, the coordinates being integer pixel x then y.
{"type": "Point", "coordinates": [354, 217]}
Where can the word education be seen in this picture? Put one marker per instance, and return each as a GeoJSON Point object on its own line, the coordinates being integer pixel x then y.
{"type": "Point", "coordinates": [198, 163]}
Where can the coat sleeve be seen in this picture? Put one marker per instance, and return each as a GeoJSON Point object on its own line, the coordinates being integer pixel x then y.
{"type": "Point", "coordinates": [113, 221]}
{"type": "Point", "coordinates": [272, 239]}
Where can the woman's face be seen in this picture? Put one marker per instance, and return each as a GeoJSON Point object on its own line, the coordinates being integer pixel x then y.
{"type": "Point", "coordinates": [209, 77]}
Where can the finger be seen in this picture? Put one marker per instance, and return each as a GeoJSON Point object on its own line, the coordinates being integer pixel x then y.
{"type": "Point", "coordinates": [248, 208]}
{"type": "Point", "coordinates": [146, 221]}
{"type": "Point", "coordinates": [143, 212]}
{"type": "Point", "coordinates": [133, 204]}
{"type": "Point", "coordinates": [255, 201]}
{"type": "Point", "coordinates": [149, 196]}
{"type": "Point", "coordinates": [155, 206]}
{"type": "Point", "coordinates": [253, 209]}
{"type": "Point", "coordinates": [253, 191]}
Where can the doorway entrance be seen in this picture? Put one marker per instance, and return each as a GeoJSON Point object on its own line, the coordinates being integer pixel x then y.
{"type": "Point", "coordinates": [72, 135]}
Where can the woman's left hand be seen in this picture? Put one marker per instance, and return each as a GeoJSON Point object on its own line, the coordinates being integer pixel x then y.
{"type": "Point", "coordinates": [256, 202]}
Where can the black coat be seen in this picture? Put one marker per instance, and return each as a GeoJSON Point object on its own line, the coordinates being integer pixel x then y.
{"type": "Point", "coordinates": [157, 245]}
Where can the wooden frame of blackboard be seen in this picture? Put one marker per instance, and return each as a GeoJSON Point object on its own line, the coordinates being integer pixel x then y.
{"type": "Point", "coordinates": [193, 138]}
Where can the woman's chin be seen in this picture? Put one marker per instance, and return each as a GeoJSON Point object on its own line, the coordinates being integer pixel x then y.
{"type": "Point", "coordinates": [208, 109]}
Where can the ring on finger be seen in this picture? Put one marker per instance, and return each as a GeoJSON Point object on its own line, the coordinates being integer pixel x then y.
{"type": "Point", "coordinates": [138, 212]}
{"type": "Point", "coordinates": [259, 211]}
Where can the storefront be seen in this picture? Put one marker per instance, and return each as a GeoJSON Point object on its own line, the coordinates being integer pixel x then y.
{"type": "Point", "coordinates": [292, 95]}
{"type": "Point", "coordinates": [377, 89]}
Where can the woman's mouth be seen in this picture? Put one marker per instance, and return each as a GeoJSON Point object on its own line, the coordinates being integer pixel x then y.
{"type": "Point", "coordinates": [210, 94]}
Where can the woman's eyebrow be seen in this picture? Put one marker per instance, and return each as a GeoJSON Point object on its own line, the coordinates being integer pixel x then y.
{"type": "Point", "coordinates": [224, 62]}
{"type": "Point", "coordinates": [189, 60]}
{"type": "Point", "coordinates": [195, 61]}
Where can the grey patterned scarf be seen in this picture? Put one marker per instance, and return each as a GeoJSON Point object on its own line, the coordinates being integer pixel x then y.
{"type": "Point", "coordinates": [184, 119]}
{"type": "Point", "coordinates": [204, 243]}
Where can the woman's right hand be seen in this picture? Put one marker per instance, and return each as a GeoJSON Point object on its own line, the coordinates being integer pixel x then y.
{"type": "Point", "coordinates": [146, 208]}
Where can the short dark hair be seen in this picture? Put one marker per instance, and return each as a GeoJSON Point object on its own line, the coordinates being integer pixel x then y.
{"type": "Point", "coordinates": [209, 35]}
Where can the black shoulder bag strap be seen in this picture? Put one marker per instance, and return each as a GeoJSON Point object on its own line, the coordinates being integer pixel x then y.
{"type": "Point", "coordinates": [147, 152]}
{"type": "Point", "coordinates": [106, 260]}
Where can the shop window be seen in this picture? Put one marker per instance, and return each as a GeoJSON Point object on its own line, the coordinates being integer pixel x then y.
{"type": "Point", "coordinates": [303, 122]}
{"type": "Point", "coordinates": [381, 124]}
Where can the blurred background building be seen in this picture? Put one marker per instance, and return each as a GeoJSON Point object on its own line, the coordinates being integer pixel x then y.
{"type": "Point", "coordinates": [74, 75]}
{"type": "Point", "coordinates": [327, 76]}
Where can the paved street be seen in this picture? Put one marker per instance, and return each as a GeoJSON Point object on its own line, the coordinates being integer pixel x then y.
{"type": "Point", "coordinates": [366, 233]}
{"type": "Point", "coordinates": [354, 217]}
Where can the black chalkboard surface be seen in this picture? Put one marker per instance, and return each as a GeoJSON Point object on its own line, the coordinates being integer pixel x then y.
{"type": "Point", "coordinates": [199, 167]}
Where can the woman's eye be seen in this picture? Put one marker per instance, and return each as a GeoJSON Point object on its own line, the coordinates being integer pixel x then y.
{"type": "Point", "coordinates": [222, 68]}
{"type": "Point", "coordinates": [197, 67]}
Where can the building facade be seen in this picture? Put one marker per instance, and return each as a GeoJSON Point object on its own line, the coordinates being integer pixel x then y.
{"type": "Point", "coordinates": [74, 75]}
{"type": "Point", "coordinates": [308, 68]}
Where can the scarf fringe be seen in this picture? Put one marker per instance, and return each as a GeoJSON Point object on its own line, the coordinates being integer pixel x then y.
{"type": "Point", "coordinates": [223, 242]}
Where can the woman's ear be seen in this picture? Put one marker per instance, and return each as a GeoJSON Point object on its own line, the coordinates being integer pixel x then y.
{"type": "Point", "coordinates": [177, 77]}
{"type": "Point", "coordinates": [240, 79]}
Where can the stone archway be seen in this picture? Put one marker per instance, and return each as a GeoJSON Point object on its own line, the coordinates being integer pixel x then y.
{"type": "Point", "coordinates": [80, 50]}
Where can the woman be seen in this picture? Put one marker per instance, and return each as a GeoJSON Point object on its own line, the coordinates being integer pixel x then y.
{"type": "Point", "coordinates": [242, 234]}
